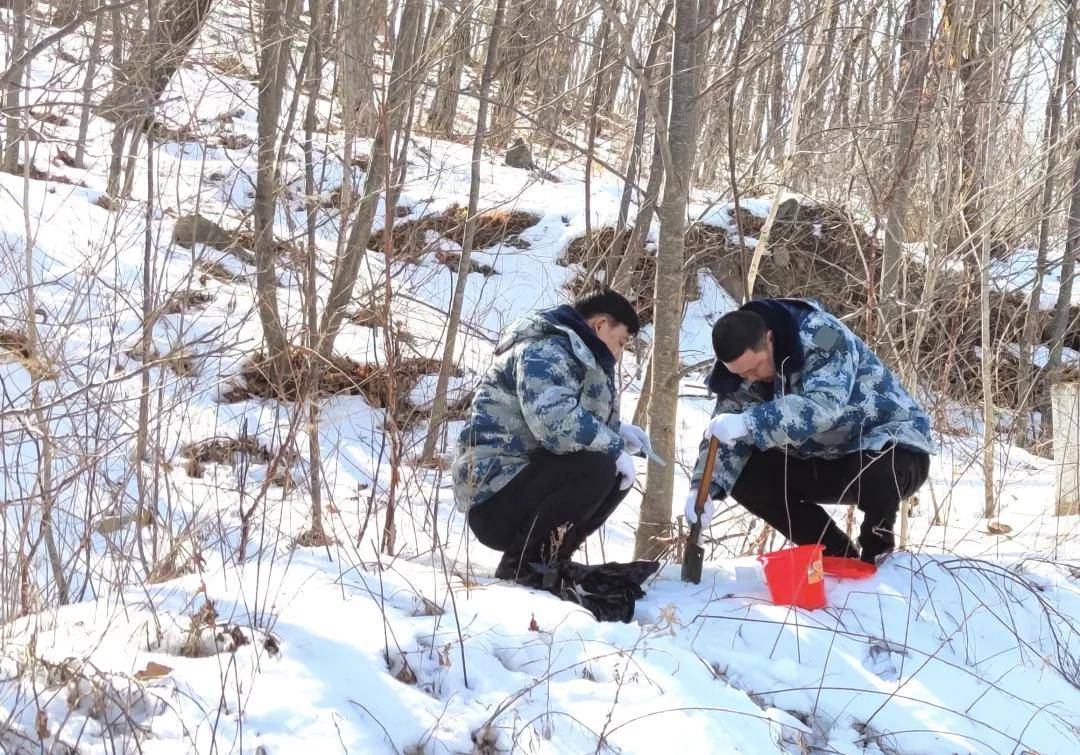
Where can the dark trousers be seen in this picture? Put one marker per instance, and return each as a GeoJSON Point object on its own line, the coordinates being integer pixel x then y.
{"type": "Point", "coordinates": [786, 493]}
{"type": "Point", "coordinates": [548, 510]}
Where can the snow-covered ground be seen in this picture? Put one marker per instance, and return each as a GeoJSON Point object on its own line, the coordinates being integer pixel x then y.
{"type": "Point", "coordinates": [967, 644]}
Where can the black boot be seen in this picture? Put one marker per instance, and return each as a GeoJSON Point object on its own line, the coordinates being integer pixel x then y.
{"type": "Point", "coordinates": [512, 567]}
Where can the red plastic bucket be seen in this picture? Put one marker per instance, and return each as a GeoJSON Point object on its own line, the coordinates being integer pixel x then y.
{"type": "Point", "coordinates": [795, 576]}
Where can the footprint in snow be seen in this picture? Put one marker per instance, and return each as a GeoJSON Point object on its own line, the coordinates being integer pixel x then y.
{"type": "Point", "coordinates": [883, 661]}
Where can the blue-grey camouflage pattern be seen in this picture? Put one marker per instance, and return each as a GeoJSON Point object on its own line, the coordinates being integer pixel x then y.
{"type": "Point", "coordinates": [842, 400]}
{"type": "Point", "coordinates": [545, 389]}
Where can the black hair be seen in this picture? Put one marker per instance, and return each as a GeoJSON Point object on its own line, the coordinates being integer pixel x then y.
{"type": "Point", "coordinates": [604, 301]}
{"type": "Point", "coordinates": [736, 332]}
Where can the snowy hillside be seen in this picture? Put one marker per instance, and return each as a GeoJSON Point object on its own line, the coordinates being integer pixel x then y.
{"type": "Point", "coordinates": [968, 643]}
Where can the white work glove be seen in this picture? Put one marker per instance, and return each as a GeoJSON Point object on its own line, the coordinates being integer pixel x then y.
{"type": "Point", "coordinates": [727, 428]}
{"type": "Point", "coordinates": [624, 469]}
{"type": "Point", "coordinates": [634, 438]}
{"type": "Point", "coordinates": [690, 510]}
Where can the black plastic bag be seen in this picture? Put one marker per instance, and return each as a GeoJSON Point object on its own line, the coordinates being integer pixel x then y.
{"type": "Point", "coordinates": [610, 591]}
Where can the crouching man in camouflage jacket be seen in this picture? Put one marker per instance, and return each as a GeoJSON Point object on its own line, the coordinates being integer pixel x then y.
{"type": "Point", "coordinates": [543, 459]}
{"type": "Point", "coordinates": [806, 414]}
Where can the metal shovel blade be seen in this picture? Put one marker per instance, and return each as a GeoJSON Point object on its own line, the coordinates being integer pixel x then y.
{"type": "Point", "coordinates": [693, 556]}
{"type": "Point", "coordinates": [693, 553]}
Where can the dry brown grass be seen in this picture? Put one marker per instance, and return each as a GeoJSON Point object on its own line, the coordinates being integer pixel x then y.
{"type": "Point", "coordinates": [604, 242]}
{"type": "Point", "coordinates": [216, 271]}
{"type": "Point", "coordinates": [223, 450]}
{"type": "Point", "coordinates": [234, 451]}
{"type": "Point", "coordinates": [231, 65]}
{"type": "Point", "coordinates": [16, 343]}
{"type": "Point", "coordinates": [368, 317]}
{"type": "Point", "coordinates": [492, 227]}
{"type": "Point", "coordinates": [453, 259]}
{"type": "Point", "coordinates": [410, 241]}
{"type": "Point", "coordinates": [182, 301]}
{"type": "Point", "coordinates": [180, 361]}
{"type": "Point", "coordinates": [341, 376]}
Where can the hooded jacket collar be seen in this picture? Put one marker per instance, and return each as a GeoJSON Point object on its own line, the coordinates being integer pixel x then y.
{"type": "Point", "coordinates": [568, 317]}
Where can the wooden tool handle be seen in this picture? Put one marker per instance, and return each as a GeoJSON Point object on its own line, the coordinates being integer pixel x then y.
{"type": "Point", "coordinates": [706, 478]}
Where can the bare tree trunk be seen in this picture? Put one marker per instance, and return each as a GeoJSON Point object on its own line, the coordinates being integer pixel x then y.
{"type": "Point", "coordinates": [839, 118]}
{"type": "Point", "coordinates": [777, 88]}
{"type": "Point", "coordinates": [789, 153]}
{"type": "Point", "coordinates": [990, 120]}
{"type": "Point", "coordinates": [399, 92]}
{"type": "Point", "coordinates": [63, 11]}
{"type": "Point", "coordinates": [814, 119]}
{"type": "Point", "coordinates": [410, 44]}
{"type": "Point", "coordinates": [357, 28]}
{"type": "Point", "coordinates": [1052, 129]}
{"type": "Point", "coordinates": [88, 86]}
{"type": "Point", "coordinates": [641, 412]}
{"type": "Point", "coordinates": [148, 499]}
{"type": "Point", "coordinates": [140, 80]}
{"type": "Point", "coordinates": [294, 101]}
{"type": "Point", "coordinates": [438, 410]}
{"type": "Point", "coordinates": [278, 17]}
{"type": "Point", "coordinates": [987, 369]}
{"type": "Point", "coordinates": [311, 305]}
{"type": "Point", "coordinates": [745, 32]}
{"type": "Point", "coordinates": [120, 129]}
{"type": "Point", "coordinates": [11, 98]}
{"type": "Point", "coordinates": [516, 67]}
{"type": "Point", "coordinates": [973, 71]}
{"type": "Point", "coordinates": [614, 61]}
{"type": "Point", "coordinates": [655, 517]}
{"type": "Point", "coordinates": [133, 157]}
{"type": "Point", "coordinates": [1068, 267]}
{"type": "Point", "coordinates": [639, 127]}
{"type": "Point", "coordinates": [444, 105]}
{"type": "Point", "coordinates": [557, 63]}
{"type": "Point", "coordinates": [400, 165]}
{"type": "Point", "coordinates": [643, 221]}
{"type": "Point", "coordinates": [914, 57]}
{"type": "Point", "coordinates": [177, 27]}
{"type": "Point", "coordinates": [44, 482]}
{"type": "Point", "coordinates": [599, 76]}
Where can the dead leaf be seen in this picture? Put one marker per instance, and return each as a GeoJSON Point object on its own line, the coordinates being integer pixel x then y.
{"type": "Point", "coordinates": [997, 528]}
{"type": "Point", "coordinates": [533, 626]}
{"type": "Point", "coordinates": [406, 675]}
{"type": "Point", "coordinates": [41, 722]}
{"type": "Point", "coordinates": [424, 607]}
{"type": "Point", "coordinates": [233, 638]}
{"type": "Point", "coordinates": [152, 671]}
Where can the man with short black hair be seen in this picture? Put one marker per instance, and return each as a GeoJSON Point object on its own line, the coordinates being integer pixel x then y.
{"type": "Point", "coordinates": [806, 414]}
{"type": "Point", "coordinates": [543, 459]}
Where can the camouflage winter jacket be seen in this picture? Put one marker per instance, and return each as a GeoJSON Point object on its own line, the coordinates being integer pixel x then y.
{"type": "Point", "coordinates": [832, 396]}
{"type": "Point", "coordinates": [551, 386]}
